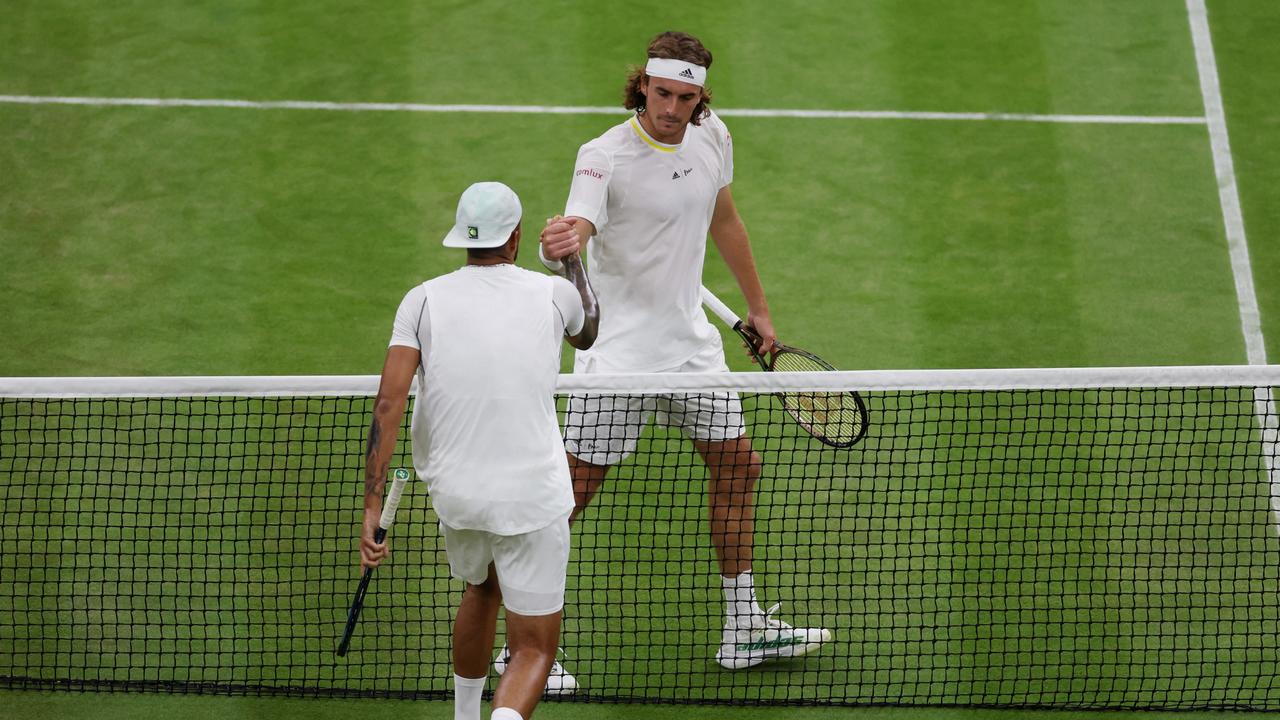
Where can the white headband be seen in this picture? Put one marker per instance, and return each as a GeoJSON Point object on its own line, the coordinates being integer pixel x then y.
{"type": "Point", "coordinates": [676, 70]}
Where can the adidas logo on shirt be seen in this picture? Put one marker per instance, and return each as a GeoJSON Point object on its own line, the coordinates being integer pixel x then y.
{"type": "Point", "coordinates": [686, 73]}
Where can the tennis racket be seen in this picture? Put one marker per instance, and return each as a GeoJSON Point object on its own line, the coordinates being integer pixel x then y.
{"type": "Point", "coordinates": [838, 419]}
{"type": "Point", "coordinates": [398, 481]}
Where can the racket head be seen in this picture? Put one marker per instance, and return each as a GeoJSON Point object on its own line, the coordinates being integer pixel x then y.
{"type": "Point", "coordinates": [838, 419]}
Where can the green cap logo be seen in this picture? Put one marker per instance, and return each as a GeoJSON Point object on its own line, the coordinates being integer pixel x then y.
{"type": "Point", "coordinates": [473, 232]}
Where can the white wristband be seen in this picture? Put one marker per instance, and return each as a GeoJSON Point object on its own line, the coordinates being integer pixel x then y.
{"type": "Point", "coordinates": [554, 266]}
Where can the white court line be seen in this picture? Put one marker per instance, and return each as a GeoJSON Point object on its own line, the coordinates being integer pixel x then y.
{"type": "Point", "coordinates": [593, 110]}
{"type": "Point", "coordinates": [1264, 402]}
{"type": "Point", "coordinates": [1228, 195]}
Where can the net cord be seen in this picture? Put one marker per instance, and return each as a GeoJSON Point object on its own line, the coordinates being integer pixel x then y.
{"type": "Point", "coordinates": [1263, 377]}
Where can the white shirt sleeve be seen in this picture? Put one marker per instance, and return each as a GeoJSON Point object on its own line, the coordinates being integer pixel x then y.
{"type": "Point", "coordinates": [589, 193]}
{"type": "Point", "coordinates": [413, 322]}
{"type": "Point", "coordinates": [726, 142]}
{"type": "Point", "coordinates": [569, 304]}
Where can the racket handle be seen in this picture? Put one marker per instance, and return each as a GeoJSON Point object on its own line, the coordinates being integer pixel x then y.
{"type": "Point", "coordinates": [720, 310]}
{"type": "Point", "coordinates": [392, 502]}
{"type": "Point", "coordinates": [389, 507]}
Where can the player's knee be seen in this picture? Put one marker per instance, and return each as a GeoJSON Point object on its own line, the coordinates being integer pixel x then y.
{"type": "Point", "coordinates": [534, 656]}
{"type": "Point", "coordinates": [734, 490]}
{"type": "Point", "coordinates": [744, 470]}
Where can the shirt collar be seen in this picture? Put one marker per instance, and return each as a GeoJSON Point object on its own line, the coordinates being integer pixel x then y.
{"type": "Point", "coordinates": [648, 139]}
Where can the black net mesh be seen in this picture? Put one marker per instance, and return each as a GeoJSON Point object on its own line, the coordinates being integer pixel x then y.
{"type": "Point", "coordinates": [1109, 548]}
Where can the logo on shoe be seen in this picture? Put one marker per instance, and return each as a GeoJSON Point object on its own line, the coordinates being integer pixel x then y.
{"type": "Point", "coordinates": [778, 642]}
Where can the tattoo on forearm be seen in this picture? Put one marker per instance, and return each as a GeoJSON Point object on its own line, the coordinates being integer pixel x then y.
{"type": "Point", "coordinates": [371, 454]}
{"type": "Point", "coordinates": [375, 438]}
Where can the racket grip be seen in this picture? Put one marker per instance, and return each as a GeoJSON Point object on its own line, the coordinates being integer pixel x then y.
{"type": "Point", "coordinates": [720, 310]}
{"type": "Point", "coordinates": [400, 477]}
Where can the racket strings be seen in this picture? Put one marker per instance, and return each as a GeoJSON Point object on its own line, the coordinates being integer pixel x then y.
{"type": "Point", "coordinates": [834, 416]}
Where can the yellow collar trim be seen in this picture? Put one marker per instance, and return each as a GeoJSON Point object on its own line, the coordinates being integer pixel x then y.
{"type": "Point", "coordinates": [644, 135]}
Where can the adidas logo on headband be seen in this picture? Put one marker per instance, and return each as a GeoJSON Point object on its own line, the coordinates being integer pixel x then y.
{"type": "Point", "coordinates": [677, 70]}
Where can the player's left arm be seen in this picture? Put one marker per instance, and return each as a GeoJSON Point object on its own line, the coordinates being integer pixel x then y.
{"type": "Point", "coordinates": [730, 236]}
{"type": "Point", "coordinates": [388, 414]}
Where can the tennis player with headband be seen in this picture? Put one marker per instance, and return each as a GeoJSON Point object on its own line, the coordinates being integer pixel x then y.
{"type": "Point", "coordinates": [644, 197]}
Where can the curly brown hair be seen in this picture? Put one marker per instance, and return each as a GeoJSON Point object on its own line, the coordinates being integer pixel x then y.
{"type": "Point", "coordinates": [673, 46]}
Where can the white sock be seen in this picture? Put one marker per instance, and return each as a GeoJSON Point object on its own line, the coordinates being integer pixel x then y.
{"type": "Point", "coordinates": [505, 713]}
{"type": "Point", "coordinates": [740, 599]}
{"type": "Point", "coordinates": [466, 697]}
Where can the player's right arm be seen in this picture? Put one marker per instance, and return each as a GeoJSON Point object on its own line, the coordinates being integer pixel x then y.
{"type": "Point", "coordinates": [388, 414]}
{"type": "Point", "coordinates": [562, 237]}
{"type": "Point", "coordinates": [404, 355]}
{"type": "Point", "coordinates": [576, 273]}
{"type": "Point", "coordinates": [585, 211]}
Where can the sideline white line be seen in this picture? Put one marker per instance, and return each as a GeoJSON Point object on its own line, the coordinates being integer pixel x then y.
{"type": "Point", "coordinates": [1228, 196]}
{"type": "Point", "coordinates": [592, 110]}
{"type": "Point", "coordinates": [1264, 402]}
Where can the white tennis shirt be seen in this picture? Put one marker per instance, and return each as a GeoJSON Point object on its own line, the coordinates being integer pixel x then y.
{"type": "Point", "coordinates": [485, 435]}
{"type": "Point", "coordinates": [651, 204]}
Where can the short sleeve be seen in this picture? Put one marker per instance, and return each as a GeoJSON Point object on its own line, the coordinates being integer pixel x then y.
{"type": "Point", "coordinates": [589, 192]}
{"type": "Point", "coordinates": [412, 320]}
{"type": "Point", "coordinates": [569, 304]}
{"type": "Point", "coordinates": [726, 143]}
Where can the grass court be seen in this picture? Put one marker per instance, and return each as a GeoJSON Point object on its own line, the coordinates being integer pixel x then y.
{"type": "Point", "coordinates": [142, 240]}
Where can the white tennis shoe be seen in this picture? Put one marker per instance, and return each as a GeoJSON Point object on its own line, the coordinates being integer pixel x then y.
{"type": "Point", "coordinates": [767, 639]}
{"type": "Point", "coordinates": [559, 682]}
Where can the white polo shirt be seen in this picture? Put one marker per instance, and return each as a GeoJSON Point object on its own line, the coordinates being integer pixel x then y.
{"type": "Point", "coordinates": [485, 435]}
{"type": "Point", "coordinates": [651, 204]}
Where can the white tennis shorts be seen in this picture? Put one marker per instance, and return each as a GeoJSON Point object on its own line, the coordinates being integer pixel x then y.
{"type": "Point", "coordinates": [531, 567]}
{"type": "Point", "coordinates": [604, 429]}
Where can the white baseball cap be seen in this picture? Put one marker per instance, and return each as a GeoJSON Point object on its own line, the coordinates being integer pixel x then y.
{"type": "Point", "coordinates": [487, 213]}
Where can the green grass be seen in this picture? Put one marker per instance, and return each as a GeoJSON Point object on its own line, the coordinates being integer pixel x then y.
{"type": "Point", "coordinates": [285, 258]}
{"type": "Point", "coordinates": [232, 242]}
{"type": "Point", "coordinates": [1005, 55]}
{"type": "Point", "coordinates": [198, 241]}
{"type": "Point", "coordinates": [1254, 126]}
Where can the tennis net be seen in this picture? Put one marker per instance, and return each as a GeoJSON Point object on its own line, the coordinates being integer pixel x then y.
{"type": "Point", "coordinates": [1100, 538]}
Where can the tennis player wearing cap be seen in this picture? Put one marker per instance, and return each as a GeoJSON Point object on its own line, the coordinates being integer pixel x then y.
{"type": "Point", "coordinates": [644, 196]}
{"type": "Point", "coordinates": [484, 342]}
